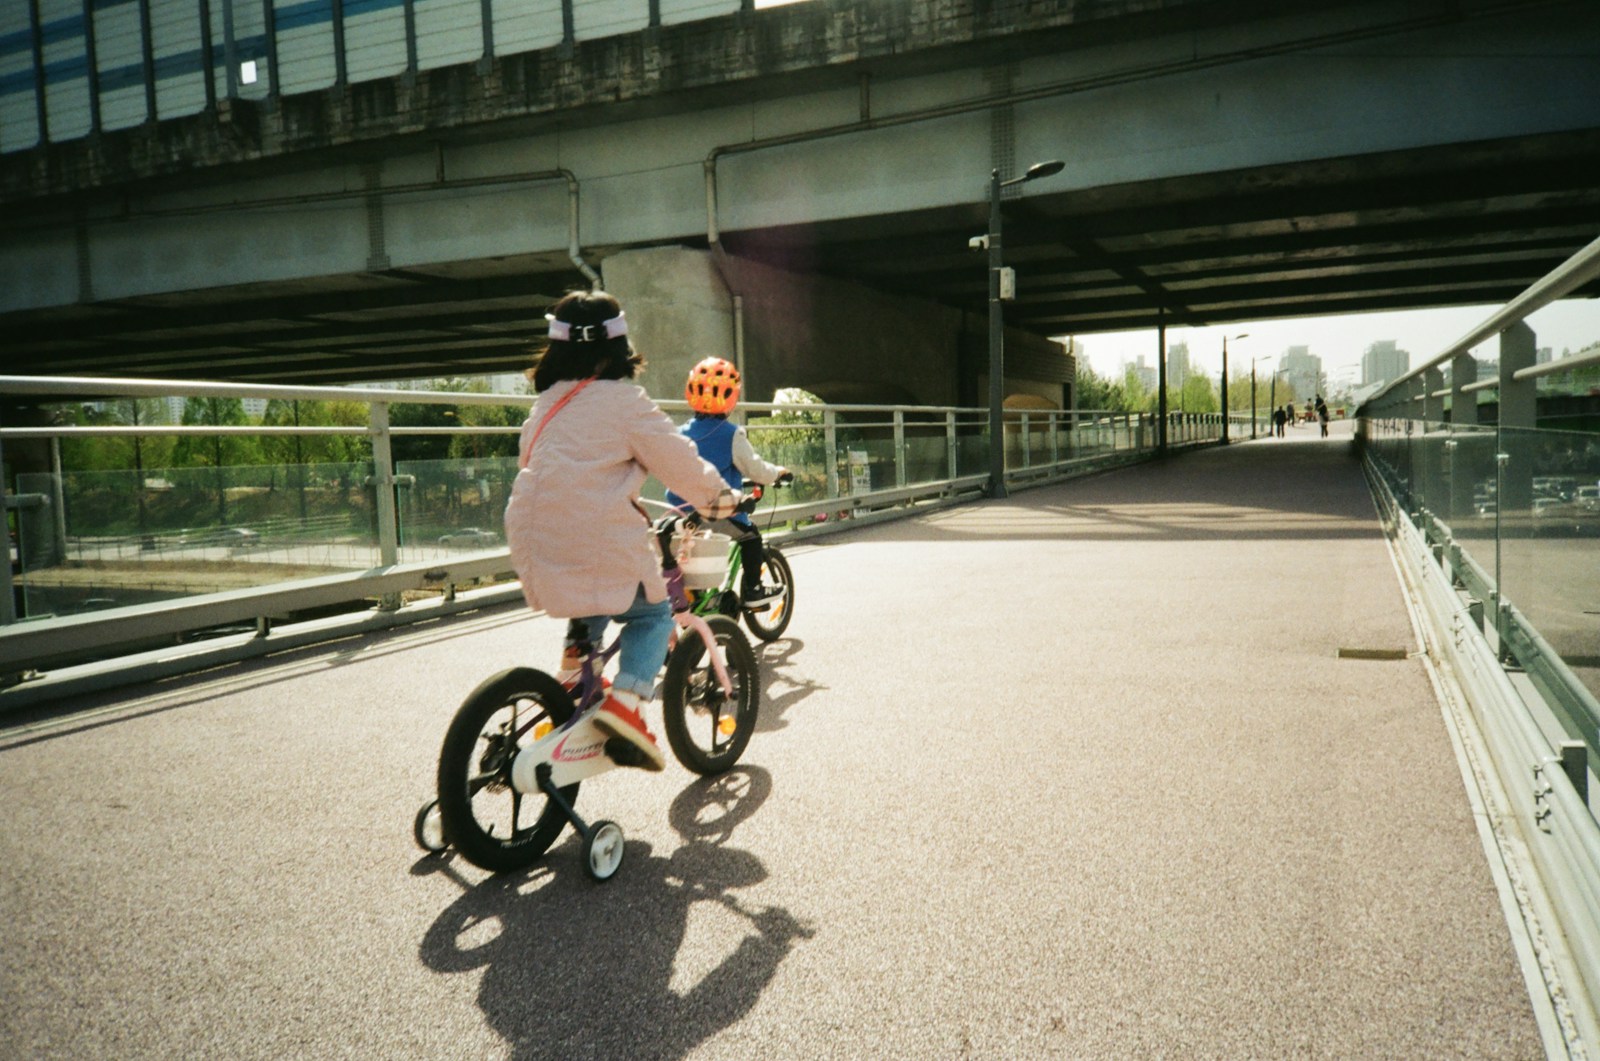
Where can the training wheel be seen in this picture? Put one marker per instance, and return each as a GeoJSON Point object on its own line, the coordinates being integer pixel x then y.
{"type": "Point", "coordinates": [429, 828]}
{"type": "Point", "coordinates": [602, 850]}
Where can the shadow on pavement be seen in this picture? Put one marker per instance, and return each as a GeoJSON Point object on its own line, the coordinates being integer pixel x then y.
{"type": "Point", "coordinates": [552, 944]}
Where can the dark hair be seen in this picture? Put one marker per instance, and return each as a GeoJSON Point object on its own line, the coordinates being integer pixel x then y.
{"type": "Point", "coordinates": [563, 359]}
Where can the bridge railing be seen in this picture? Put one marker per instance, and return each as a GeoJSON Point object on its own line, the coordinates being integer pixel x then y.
{"type": "Point", "coordinates": [108, 562]}
{"type": "Point", "coordinates": [1497, 525]}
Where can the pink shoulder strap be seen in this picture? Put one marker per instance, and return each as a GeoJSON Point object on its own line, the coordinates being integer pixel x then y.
{"type": "Point", "coordinates": [554, 409]}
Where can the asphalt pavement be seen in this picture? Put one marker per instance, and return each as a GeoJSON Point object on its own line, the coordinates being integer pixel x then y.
{"type": "Point", "coordinates": [1077, 774]}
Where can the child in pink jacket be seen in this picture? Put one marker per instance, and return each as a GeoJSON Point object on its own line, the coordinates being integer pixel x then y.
{"type": "Point", "coordinates": [579, 540]}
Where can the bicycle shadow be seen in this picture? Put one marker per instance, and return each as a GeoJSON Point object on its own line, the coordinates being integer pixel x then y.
{"type": "Point", "coordinates": [577, 970]}
{"type": "Point", "coordinates": [783, 686]}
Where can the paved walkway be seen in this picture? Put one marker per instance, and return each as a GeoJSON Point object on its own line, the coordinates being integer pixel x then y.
{"type": "Point", "coordinates": [1079, 774]}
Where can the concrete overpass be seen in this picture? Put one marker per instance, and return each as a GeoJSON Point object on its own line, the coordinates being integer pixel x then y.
{"type": "Point", "coordinates": [799, 185]}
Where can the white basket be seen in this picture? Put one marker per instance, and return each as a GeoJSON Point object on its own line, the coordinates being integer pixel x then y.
{"type": "Point", "coordinates": [704, 559]}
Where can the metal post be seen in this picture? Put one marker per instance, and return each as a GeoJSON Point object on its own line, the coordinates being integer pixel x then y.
{"type": "Point", "coordinates": [40, 97]}
{"type": "Point", "coordinates": [1463, 414]}
{"type": "Point", "coordinates": [8, 606]}
{"type": "Point", "coordinates": [950, 443]}
{"type": "Point", "coordinates": [997, 439]}
{"type": "Point", "coordinates": [1252, 399]}
{"type": "Point", "coordinates": [830, 443]}
{"type": "Point", "coordinates": [341, 62]}
{"type": "Point", "coordinates": [208, 60]}
{"type": "Point", "coordinates": [899, 447]}
{"type": "Point", "coordinates": [230, 51]}
{"type": "Point", "coordinates": [269, 30]}
{"type": "Point", "coordinates": [92, 62]}
{"type": "Point", "coordinates": [148, 58]}
{"type": "Point", "coordinates": [383, 484]}
{"type": "Point", "coordinates": [1224, 402]}
{"type": "Point", "coordinates": [1161, 379]}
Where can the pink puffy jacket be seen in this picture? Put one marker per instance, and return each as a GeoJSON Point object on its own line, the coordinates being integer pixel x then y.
{"type": "Point", "coordinates": [577, 541]}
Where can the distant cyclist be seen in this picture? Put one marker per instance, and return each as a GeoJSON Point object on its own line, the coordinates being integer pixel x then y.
{"type": "Point", "coordinates": [712, 391]}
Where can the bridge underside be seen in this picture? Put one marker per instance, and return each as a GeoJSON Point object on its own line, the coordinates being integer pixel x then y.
{"type": "Point", "coordinates": [1450, 226]}
{"type": "Point", "coordinates": [1205, 191]}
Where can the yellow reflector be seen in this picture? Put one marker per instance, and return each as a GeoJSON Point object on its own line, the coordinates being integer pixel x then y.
{"type": "Point", "coordinates": [726, 725]}
{"type": "Point", "coordinates": [542, 728]}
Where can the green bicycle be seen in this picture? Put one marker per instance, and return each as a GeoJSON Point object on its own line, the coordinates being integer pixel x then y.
{"type": "Point", "coordinates": [712, 580]}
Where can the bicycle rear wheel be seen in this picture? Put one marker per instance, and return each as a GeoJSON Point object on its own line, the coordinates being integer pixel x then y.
{"type": "Point", "coordinates": [493, 825]}
{"type": "Point", "coordinates": [707, 728]}
{"type": "Point", "coordinates": [770, 623]}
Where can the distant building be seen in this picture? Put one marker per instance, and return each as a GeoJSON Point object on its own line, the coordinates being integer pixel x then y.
{"type": "Point", "coordinates": [1178, 369]}
{"type": "Point", "coordinates": [1303, 370]}
{"type": "Point", "coordinates": [1383, 362]}
{"type": "Point", "coordinates": [1146, 373]}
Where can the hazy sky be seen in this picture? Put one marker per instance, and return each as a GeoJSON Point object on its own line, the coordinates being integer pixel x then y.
{"type": "Point", "coordinates": [1340, 341]}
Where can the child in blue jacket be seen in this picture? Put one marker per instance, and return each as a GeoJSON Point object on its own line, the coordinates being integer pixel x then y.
{"type": "Point", "coordinates": [712, 391]}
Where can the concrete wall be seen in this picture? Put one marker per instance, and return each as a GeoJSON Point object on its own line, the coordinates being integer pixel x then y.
{"type": "Point", "coordinates": [844, 343]}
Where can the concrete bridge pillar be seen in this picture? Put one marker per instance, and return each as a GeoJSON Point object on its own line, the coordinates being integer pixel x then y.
{"type": "Point", "coordinates": [845, 343]}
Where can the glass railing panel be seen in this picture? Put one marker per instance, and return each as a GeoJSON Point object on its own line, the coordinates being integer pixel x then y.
{"type": "Point", "coordinates": [1549, 520]}
{"type": "Point", "coordinates": [797, 445]}
{"type": "Point", "coordinates": [450, 506]}
{"type": "Point", "coordinates": [99, 539]}
{"type": "Point", "coordinates": [866, 457]}
{"type": "Point", "coordinates": [927, 453]}
{"type": "Point", "coordinates": [1466, 499]}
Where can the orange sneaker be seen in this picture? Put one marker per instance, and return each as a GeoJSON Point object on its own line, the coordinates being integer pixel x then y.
{"type": "Point", "coordinates": [619, 716]}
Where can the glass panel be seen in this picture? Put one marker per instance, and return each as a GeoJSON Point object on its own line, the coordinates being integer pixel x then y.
{"type": "Point", "coordinates": [1550, 540]}
{"type": "Point", "coordinates": [102, 539]}
{"type": "Point", "coordinates": [453, 505]}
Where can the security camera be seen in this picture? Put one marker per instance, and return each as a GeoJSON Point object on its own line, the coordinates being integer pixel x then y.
{"type": "Point", "coordinates": [978, 243]}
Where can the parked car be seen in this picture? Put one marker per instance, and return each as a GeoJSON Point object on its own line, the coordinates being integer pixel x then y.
{"type": "Point", "coordinates": [239, 538]}
{"type": "Point", "coordinates": [1588, 498]}
{"type": "Point", "coordinates": [469, 537]}
{"type": "Point", "coordinates": [1560, 487]}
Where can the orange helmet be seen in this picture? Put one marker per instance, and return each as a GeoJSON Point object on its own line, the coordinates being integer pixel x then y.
{"type": "Point", "coordinates": [713, 386]}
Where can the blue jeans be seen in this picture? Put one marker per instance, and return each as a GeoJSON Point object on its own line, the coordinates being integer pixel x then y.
{"type": "Point", "coordinates": [646, 631]}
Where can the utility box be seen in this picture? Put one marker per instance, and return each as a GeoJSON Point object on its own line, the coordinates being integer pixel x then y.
{"type": "Point", "coordinates": [1008, 284]}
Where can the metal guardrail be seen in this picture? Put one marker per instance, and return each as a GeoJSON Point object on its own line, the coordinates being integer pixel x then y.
{"type": "Point", "coordinates": [1545, 816]}
{"type": "Point", "coordinates": [1044, 445]}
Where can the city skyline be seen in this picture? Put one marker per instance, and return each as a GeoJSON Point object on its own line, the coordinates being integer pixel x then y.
{"type": "Point", "coordinates": [1340, 341]}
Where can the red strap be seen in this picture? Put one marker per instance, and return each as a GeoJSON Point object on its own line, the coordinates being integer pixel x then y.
{"type": "Point", "coordinates": [554, 409]}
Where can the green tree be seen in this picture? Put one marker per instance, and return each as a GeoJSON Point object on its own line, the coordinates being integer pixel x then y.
{"type": "Point", "coordinates": [1197, 395]}
{"type": "Point", "coordinates": [315, 449]}
{"type": "Point", "coordinates": [1137, 398]}
{"type": "Point", "coordinates": [219, 451]}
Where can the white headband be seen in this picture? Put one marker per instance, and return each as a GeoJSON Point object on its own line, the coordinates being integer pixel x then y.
{"type": "Point", "coordinates": [561, 331]}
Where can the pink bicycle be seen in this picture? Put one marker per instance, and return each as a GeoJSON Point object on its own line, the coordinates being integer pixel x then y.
{"type": "Point", "coordinates": [521, 742]}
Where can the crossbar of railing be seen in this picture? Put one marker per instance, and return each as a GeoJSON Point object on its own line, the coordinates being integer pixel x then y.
{"type": "Point", "coordinates": [1565, 278]}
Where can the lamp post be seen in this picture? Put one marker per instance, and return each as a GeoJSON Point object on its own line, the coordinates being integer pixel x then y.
{"type": "Point", "coordinates": [1241, 335]}
{"type": "Point", "coordinates": [1253, 361]}
{"type": "Point", "coordinates": [997, 434]}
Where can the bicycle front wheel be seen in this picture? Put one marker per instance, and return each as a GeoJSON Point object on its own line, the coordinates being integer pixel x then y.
{"type": "Point", "coordinates": [494, 826]}
{"type": "Point", "coordinates": [770, 623]}
{"type": "Point", "coordinates": [707, 728]}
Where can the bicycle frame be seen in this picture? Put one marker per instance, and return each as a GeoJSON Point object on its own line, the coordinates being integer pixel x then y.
{"type": "Point", "coordinates": [575, 750]}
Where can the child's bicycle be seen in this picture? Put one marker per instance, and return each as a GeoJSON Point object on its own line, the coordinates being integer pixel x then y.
{"type": "Point", "coordinates": [769, 619]}
{"type": "Point", "coordinates": [521, 742]}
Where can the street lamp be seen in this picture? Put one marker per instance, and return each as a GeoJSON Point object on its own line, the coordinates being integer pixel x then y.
{"type": "Point", "coordinates": [1253, 361]}
{"type": "Point", "coordinates": [1241, 335]}
{"type": "Point", "coordinates": [997, 434]}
